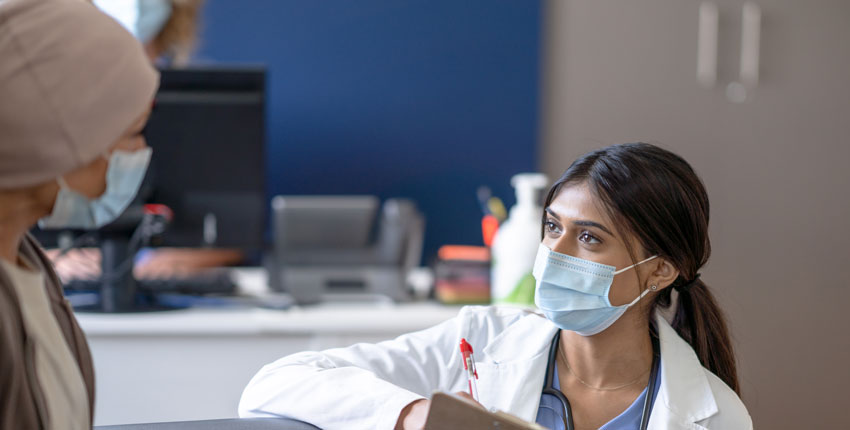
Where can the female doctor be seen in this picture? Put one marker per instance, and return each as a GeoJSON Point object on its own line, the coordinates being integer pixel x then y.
{"type": "Point", "coordinates": [623, 228]}
{"type": "Point", "coordinates": [76, 90]}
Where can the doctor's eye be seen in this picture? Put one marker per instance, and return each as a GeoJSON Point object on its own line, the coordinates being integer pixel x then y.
{"type": "Point", "coordinates": [551, 227]}
{"type": "Point", "coordinates": [588, 238]}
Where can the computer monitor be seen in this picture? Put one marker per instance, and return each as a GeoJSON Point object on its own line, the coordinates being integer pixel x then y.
{"type": "Point", "coordinates": [207, 131]}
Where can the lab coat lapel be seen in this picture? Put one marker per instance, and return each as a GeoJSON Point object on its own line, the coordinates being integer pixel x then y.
{"type": "Point", "coordinates": [511, 376]}
{"type": "Point", "coordinates": [684, 396]}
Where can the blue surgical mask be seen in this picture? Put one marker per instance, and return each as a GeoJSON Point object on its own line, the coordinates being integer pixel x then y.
{"type": "Point", "coordinates": [123, 177]}
{"type": "Point", "coordinates": [573, 292]}
{"type": "Point", "coordinates": [143, 18]}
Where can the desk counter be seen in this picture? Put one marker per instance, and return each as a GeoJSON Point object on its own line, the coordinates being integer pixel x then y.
{"type": "Point", "coordinates": [193, 364]}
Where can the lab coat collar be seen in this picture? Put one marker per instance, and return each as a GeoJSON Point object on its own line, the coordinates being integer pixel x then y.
{"type": "Point", "coordinates": [518, 356]}
{"type": "Point", "coordinates": [685, 391]}
{"type": "Point", "coordinates": [522, 340]}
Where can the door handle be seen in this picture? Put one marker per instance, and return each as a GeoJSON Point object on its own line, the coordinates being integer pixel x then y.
{"type": "Point", "coordinates": [707, 44]}
{"type": "Point", "coordinates": [750, 35]}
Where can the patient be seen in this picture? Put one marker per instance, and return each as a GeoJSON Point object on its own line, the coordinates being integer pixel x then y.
{"type": "Point", "coordinates": [76, 93]}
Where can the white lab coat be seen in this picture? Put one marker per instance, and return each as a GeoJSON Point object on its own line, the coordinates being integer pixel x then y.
{"type": "Point", "coordinates": [365, 386]}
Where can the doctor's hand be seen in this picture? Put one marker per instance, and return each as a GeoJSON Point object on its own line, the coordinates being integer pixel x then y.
{"type": "Point", "coordinates": [415, 414]}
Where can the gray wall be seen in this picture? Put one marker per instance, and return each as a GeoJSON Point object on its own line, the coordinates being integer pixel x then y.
{"type": "Point", "coordinates": [776, 169]}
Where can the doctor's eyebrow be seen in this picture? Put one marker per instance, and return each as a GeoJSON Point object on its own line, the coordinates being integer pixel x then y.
{"type": "Point", "coordinates": [584, 223]}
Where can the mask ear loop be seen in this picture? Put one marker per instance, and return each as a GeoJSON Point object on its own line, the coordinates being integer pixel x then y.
{"type": "Point", "coordinates": [644, 292]}
{"type": "Point", "coordinates": [633, 265]}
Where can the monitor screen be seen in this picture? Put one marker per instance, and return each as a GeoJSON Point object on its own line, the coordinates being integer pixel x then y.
{"type": "Point", "coordinates": [207, 131]}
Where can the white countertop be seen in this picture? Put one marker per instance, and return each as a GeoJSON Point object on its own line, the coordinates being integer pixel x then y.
{"type": "Point", "coordinates": [326, 318]}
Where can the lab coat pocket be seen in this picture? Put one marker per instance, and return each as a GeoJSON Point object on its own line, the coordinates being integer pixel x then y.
{"type": "Point", "coordinates": [488, 385]}
{"type": "Point", "coordinates": [513, 387]}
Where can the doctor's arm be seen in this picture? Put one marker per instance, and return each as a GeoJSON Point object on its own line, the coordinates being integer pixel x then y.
{"type": "Point", "coordinates": [362, 386]}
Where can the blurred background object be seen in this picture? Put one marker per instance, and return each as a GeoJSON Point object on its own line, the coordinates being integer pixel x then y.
{"type": "Point", "coordinates": [167, 28]}
{"type": "Point", "coordinates": [516, 242]}
{"type": "Point", "coordinates": [345, 247]}
{"type": "Point", "coordinates": [462, 274]}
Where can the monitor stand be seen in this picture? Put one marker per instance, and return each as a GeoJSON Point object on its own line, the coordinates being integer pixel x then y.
{"type": "Point", "coordinates": [118, 288]}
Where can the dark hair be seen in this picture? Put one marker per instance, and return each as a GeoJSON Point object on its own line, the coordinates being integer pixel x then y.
{"type": "Point", "coordinates": [656, 196]}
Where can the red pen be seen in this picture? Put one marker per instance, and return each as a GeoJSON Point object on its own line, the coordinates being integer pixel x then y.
{"type": "Point", "coordinates": [469, 366]}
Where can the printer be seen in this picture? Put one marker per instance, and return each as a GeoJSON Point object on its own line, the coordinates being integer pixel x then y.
{"type": "Point", "coordinates": [344, 247]}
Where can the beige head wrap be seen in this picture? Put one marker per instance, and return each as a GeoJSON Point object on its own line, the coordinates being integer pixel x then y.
{"type": "Point", "coordinates": [72, 80]}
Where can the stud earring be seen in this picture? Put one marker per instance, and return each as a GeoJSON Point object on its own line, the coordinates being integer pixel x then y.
{"type": "Point", "coordinates": [654, 287]}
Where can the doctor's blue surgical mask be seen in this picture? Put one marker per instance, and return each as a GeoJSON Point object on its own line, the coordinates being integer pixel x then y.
{"type": "Point", "coordinates": [124, 176]}
{"type": "Point", "coordinates": [573, 292]}
{"type": "Point", "coordinates": [143, 18]}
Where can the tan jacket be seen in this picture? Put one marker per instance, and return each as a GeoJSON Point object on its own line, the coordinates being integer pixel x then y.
{"type": "Point", "coordinates": [21, 399]}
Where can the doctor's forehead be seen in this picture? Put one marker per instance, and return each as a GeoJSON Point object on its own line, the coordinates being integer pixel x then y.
{"type": "Point", "coordinates": [578, 203]}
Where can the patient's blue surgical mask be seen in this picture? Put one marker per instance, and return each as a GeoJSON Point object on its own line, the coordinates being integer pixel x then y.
{"type": "Point", "coordinates": [123, 178]}
{"type": "Point", "coordinates": [573, 292]}
{"type": "Point", "coordinates": [143, 18]}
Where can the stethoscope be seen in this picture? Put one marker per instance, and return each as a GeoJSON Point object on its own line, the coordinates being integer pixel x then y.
{"type": "Point", "coordinates": [549, 388]}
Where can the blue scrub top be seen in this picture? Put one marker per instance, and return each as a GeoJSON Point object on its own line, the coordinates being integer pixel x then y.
{"type": "Point", "coordinates": [550, 410]}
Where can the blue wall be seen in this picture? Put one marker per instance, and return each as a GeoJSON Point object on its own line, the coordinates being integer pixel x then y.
{"type": "Point", "coordinates": [413, 98]}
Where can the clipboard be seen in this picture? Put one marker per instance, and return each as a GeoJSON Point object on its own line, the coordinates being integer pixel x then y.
{"type": "Point", "coordinates": [449, 411]}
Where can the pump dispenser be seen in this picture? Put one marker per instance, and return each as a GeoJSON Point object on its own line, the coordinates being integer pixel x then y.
{"type": "Point", "coordinates": [515, 245]}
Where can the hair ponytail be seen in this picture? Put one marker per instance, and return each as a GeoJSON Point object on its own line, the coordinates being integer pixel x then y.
{"type": "Point", "coordinates": [700, 322]}
{"type": "Point", "coordinates": [656, 196]}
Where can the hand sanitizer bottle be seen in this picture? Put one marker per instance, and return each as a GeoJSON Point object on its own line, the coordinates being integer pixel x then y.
{"type": "Point", "coordinates": [516, 242]}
